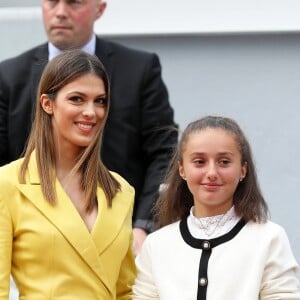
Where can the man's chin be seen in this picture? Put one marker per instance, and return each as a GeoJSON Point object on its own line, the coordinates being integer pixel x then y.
{"type": "Point", "coordinates": [62, 43]}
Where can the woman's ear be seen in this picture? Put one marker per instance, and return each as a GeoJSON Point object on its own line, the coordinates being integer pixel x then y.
{"type": "Point", "coordinates": [47, 104]}
{"type": "Point", "coordinates": [181, 171]}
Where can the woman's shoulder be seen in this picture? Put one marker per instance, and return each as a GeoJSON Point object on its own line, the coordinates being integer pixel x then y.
{"type": "Point", "coordinates": [9, 181]}
{"type": "Point", "coordinates": [125, 186]}
{"type": "Point", "coordinates": [10, 171]}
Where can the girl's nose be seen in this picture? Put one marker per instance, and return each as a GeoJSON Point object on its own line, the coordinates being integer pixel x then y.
{"type": "Point", "coordinates": [212, 171]}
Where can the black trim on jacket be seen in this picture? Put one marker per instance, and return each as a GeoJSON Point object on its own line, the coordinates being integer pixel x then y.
{"type": "Point", "coordinates": [206, 245]}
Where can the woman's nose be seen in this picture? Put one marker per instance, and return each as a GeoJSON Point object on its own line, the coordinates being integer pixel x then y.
{"type": "Point", "coordinates": [89, 111]}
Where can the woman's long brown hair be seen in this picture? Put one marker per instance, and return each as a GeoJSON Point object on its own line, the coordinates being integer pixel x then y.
{"type": "Point", "coordinates": [60, 71]}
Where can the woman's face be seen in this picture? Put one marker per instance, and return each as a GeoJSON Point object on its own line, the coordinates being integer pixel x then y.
{"type": "Point", "coordinates": [212, 168]}
{"type": "Point", "coordinates": [77, 112]}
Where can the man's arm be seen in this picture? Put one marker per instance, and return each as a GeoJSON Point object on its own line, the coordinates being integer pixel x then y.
{"type": "Point", "coordinates": [159, 137]}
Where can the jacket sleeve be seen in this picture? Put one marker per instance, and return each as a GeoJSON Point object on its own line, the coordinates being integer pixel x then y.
{"type": "Point", "coordinates": [6, 236]}
{"type": "Point", "coordinates": [280, 280]}
{"type": "Point", "coordinates": [144, 287]}
{"type": "Point", "coordinates": [159, 137]}
{"type": "Point", "coordinates": [128, 269]}
{"type": "Point", "coordinates": [127, 275]}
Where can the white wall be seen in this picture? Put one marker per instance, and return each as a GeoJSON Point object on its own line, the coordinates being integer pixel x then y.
{"type": "Point", "coordinates": [199, 16]}
{"type": "Point", "coordinates": [212, 65]}
{"type": "Point", "coordinates": [193, 16]}
{"type": "Point", "coordinates": [255, 80]}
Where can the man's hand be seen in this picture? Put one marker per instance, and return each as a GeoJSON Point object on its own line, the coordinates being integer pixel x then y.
{"type": "Point", "coordinates": [139, 236]}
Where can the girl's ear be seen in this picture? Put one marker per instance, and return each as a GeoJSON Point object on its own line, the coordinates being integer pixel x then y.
{"type": "Point", "coordinates": [244, 170]}
{"type": "Point", "coordinates": [47, 104]}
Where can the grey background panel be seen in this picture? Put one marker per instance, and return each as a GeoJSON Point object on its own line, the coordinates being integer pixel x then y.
{"type": "Point", "coordinates": [18, 3]}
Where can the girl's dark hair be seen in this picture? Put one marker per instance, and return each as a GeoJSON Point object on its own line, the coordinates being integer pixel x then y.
{"type": "Point", "coordinates": [176, 200]}
{"type": "Point", "coordinates": [60, 71]}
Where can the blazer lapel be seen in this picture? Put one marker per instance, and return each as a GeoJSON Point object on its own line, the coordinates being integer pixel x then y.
{"type": "Point", "coordinates": [63, 215]}
{"type": "Point", "coordinates": [110, 220]}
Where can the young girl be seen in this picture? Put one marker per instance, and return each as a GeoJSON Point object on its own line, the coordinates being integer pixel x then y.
{"type": "Point", "coordinates": [216, 242]}
{"type": "Point", "coordinates": [65, 220]}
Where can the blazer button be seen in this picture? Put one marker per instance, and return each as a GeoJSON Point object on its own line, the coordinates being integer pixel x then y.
{"type": "Point", "coordinates": [203, 281]}
{"type": "Point", "coordinates": [206, 245]}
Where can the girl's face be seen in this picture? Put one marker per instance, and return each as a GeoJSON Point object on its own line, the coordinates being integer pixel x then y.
{"type": "Point", "coordinates": [77, 112]}
{"type": "Point", "coordinates": [212, 168]}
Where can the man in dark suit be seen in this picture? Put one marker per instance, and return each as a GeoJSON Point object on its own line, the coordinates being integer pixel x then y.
{"type": "Point", "coordinates": [139, 136]}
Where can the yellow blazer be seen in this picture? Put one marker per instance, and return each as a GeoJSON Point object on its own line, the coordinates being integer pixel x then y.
{"type": "Point", "coordinates": [49, 250]}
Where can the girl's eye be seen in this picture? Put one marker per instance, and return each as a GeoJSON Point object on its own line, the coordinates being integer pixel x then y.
{"type": "Point", "coordinates": [224, 162]}
{"type": "Point", "coordinates": [199, 161]}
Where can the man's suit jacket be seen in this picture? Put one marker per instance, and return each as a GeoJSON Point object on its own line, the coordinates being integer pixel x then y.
{"type": "Point", "coordinates": [49, 249]}
{"type": "Point", "coordinates": [138, 139]}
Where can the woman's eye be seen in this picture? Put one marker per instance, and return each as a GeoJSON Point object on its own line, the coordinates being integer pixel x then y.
{"type": "Point", "coordinates": [101, 101]}
{"type": "Point", "coordinates": [76, 99]}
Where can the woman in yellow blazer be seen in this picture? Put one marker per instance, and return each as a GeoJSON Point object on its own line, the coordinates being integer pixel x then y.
{"type": "Point", "coordinates": [65, 220]}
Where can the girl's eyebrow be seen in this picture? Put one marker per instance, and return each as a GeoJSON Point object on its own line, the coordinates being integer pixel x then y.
{"type": "Point", "coordinates": [219, 153]}
{"type": "Point", "coordinates": [226, 153]}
